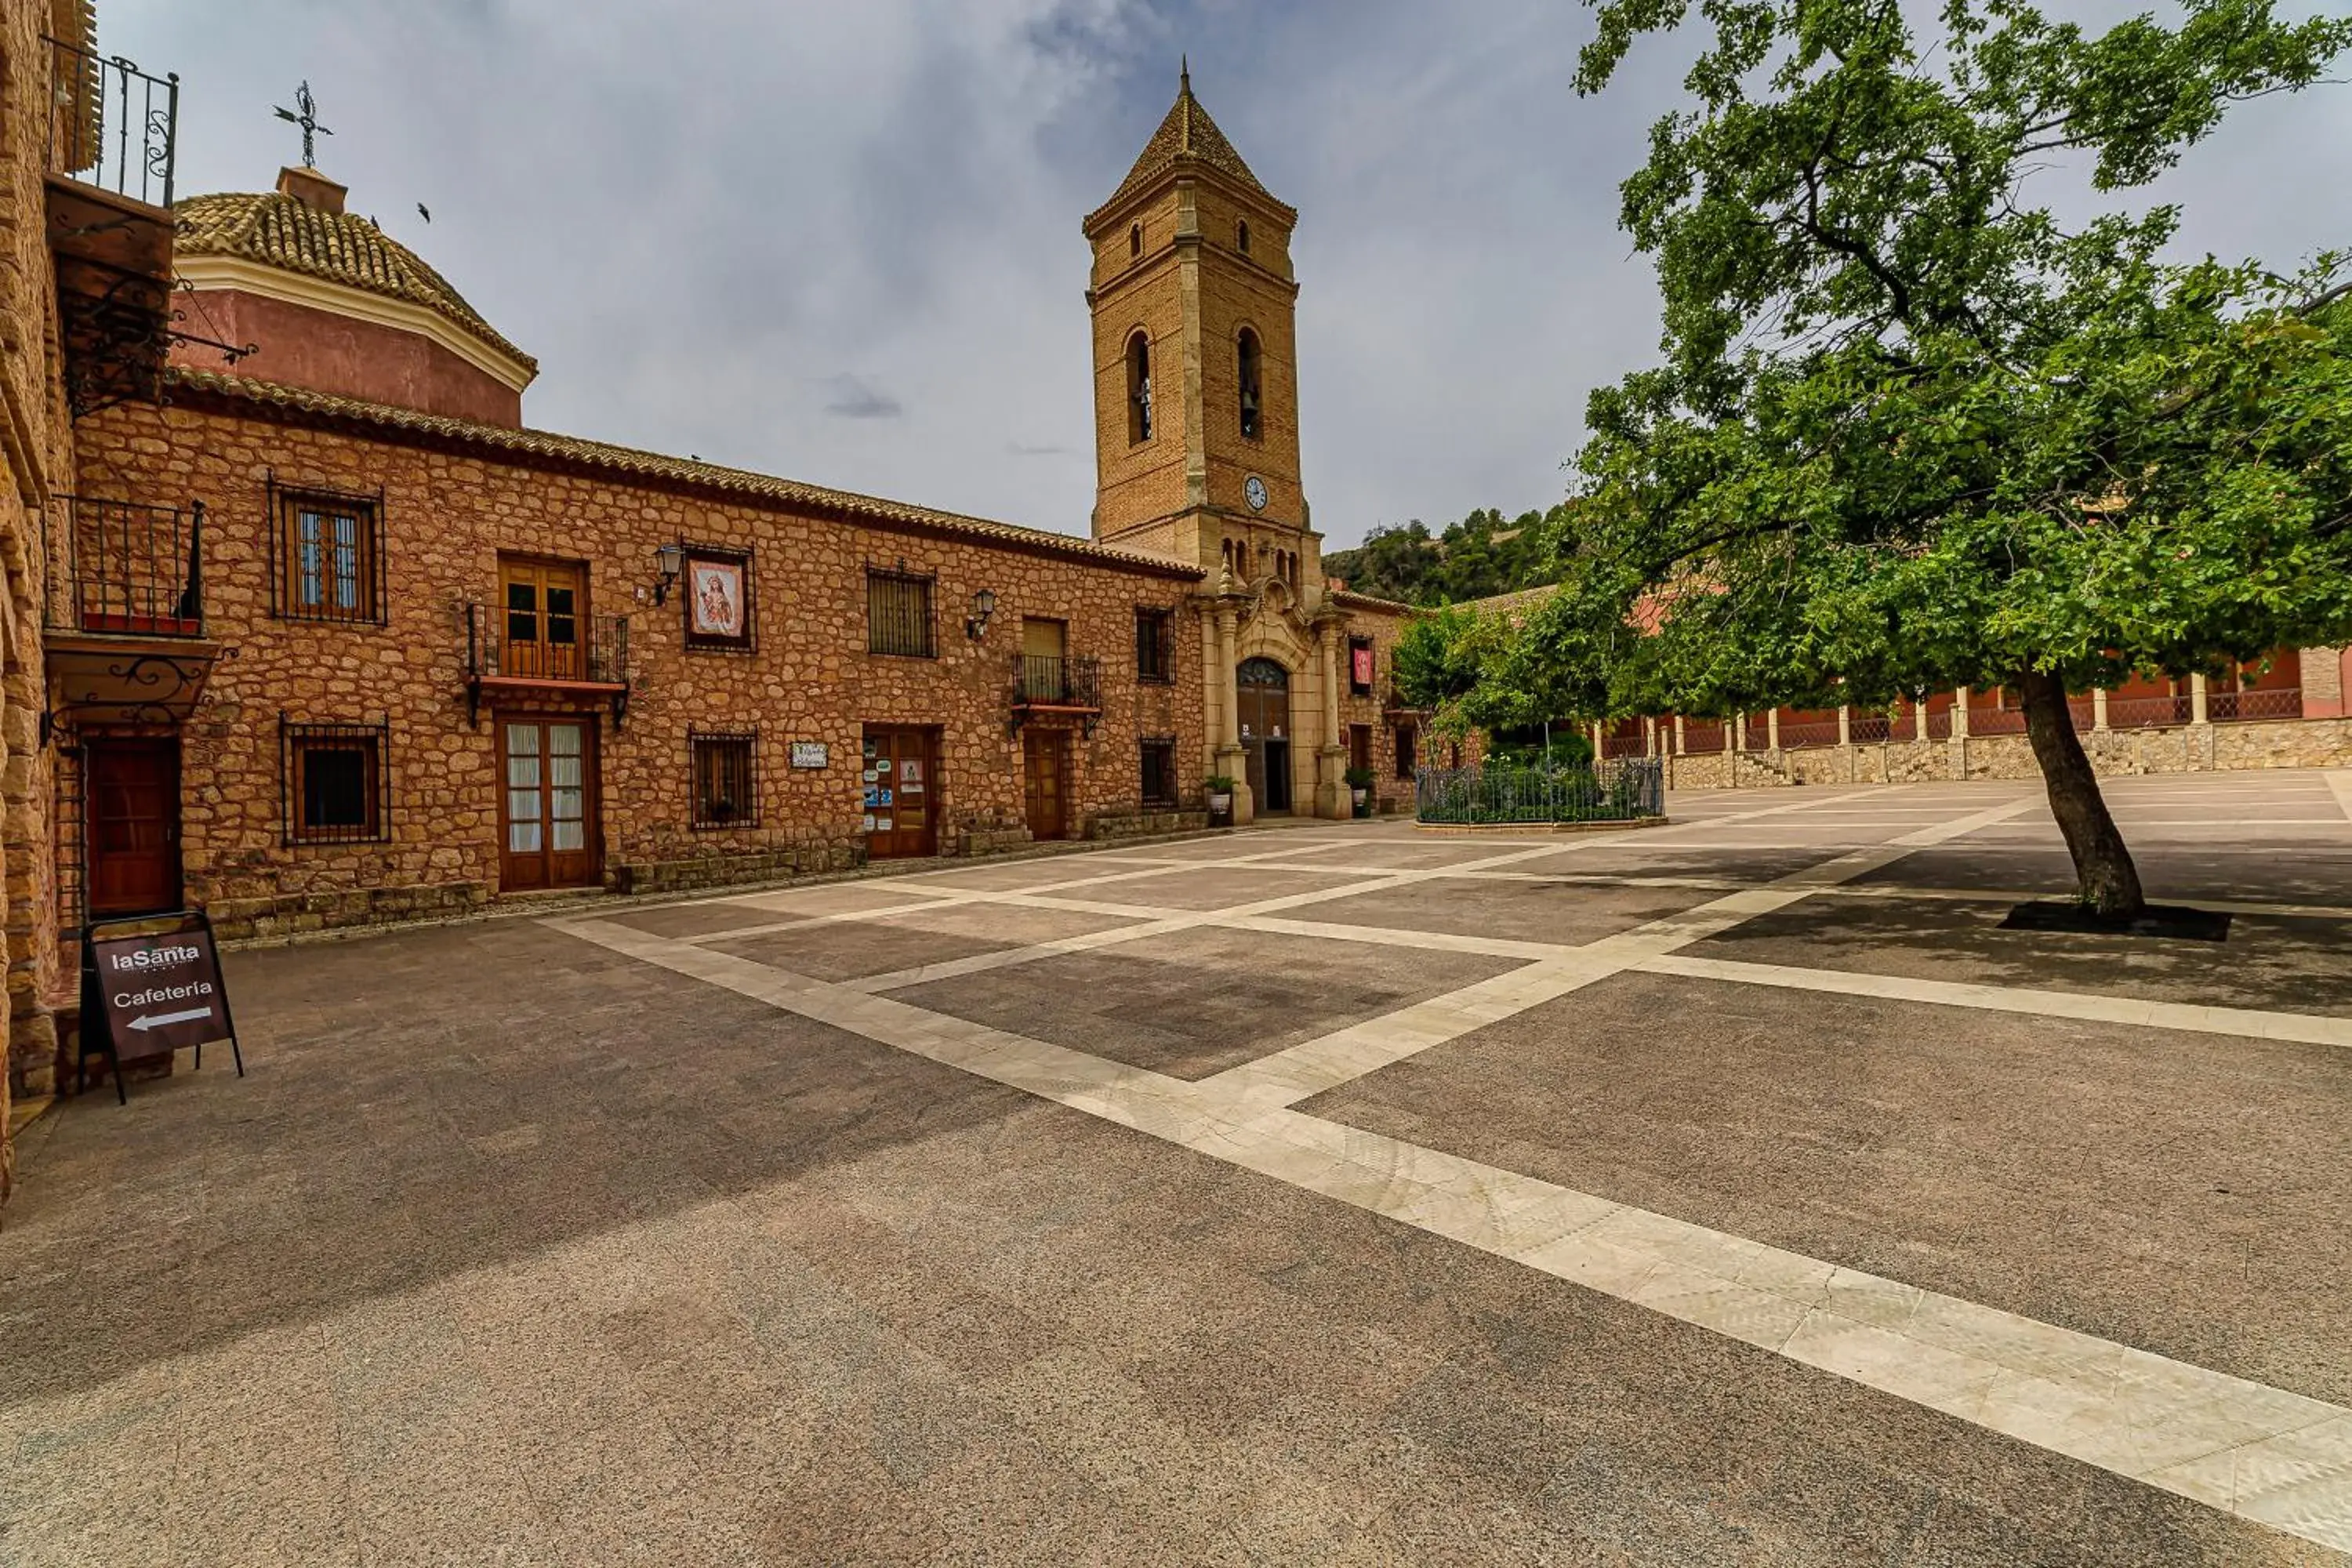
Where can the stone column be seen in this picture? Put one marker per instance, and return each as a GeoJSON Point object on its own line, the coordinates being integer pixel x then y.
{"type": "Point", "coordinates": [1597, 738]}
{"type": "Point", "coordinates": [1649, 736]}
{"type": "Point", "coordinates": [1845, 724]}
{"type": "Point", "coordinates": [1739, 735]}
{"type": "Point", "coordinates": [1773, 730]}
{"type": "Point", "coordinates": [2197, 710]}
{"type": "Point", "coordinates": [1231, 761]}
{"type": "Point", "coordinates": [1731, 728]}
{"type": "Point", "coordinates": [2098, 708]}
{"type": "Point", "coordinates": [1680, 749]}
{"type": "Point", "coordinates": [2323, 682]}
{"type": "Point", "coordinates": [1960, 714]}
{"type": "Point", "coordinates": [1331, 797]}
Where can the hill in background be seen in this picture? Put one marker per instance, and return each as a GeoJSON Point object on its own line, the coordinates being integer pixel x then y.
{"type": "Point", "coordinates": [1481, 556]}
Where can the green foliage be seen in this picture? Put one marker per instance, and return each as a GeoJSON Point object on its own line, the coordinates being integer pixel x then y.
{"type": "Point", "coordinates": [1560, 745]}
{"type": "Point", "coordinates": [1360, 778]}
{"type": "Point", "coordinates": [1217, 784]}
{"type": "Point", "coordinates": [1478, 558]}
{"type": "Point", "coordinates": [1504, 792]}
{"type": "Point", "coordinates": [1911, 431]}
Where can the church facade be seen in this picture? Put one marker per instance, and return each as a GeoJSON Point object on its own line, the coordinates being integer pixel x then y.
{"type": "Point", "coordinates": [334, 638]}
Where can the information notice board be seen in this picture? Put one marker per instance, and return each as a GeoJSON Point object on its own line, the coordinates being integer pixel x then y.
{"type": "Point", "coordinates": [152, 985]}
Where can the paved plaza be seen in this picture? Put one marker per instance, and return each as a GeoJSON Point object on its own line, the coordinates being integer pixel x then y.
{"type": "Point", "coordinates": [1731, 1192]}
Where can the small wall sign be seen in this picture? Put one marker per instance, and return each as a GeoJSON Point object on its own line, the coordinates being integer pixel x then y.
{"type": "Point", "coordinates": [809, 753]}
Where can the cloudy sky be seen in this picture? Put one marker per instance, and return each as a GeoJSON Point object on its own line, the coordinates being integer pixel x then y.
{"type": "Point", "coordinates": [840, 242]}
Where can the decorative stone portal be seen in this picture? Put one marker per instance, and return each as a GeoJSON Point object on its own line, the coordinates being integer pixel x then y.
{"type": "Point", "coordinates": [1262, 687]}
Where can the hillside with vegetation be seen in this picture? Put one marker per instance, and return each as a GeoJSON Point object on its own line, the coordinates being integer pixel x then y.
{"type": "Point", "coordinates": [1480, 556]}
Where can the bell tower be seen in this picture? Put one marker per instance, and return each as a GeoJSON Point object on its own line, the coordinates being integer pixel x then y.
{"type": "Point", "coordinates": [1196, 390]}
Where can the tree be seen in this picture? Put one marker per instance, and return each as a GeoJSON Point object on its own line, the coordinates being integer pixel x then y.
{"type": "Point", "coordinates": [1912, 432]}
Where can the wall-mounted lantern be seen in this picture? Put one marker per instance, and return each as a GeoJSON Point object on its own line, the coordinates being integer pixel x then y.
{"type": "Point", "coordinates": [671, 559]}
{"type": "Point", "coordinates": [983, 607]}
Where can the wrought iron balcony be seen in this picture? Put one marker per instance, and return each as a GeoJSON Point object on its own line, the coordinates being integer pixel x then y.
{"type": "Point", "coordinates": [126, 640]}
{"type": "Point", "coordinates": [554, 660]}
{"type": "Point", "coordinates": [112, 148]}
{"type": "Point", "coordinates": [1057, 683]}
{"type": "Point", "coordinates": [111, 125]}
{"type": "Point", "coordinates": [130, 570]}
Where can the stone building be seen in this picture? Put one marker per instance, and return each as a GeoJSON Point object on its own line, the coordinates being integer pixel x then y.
{"type": "Point", "coordinates": [331, 637]}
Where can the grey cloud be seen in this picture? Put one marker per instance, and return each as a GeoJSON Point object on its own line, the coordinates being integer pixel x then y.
{"type": "Point", "coordinates": [854, 398]}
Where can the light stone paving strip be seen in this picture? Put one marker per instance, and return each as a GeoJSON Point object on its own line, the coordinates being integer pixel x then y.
{"type": "Point", "coordinates": [2308, 1028]}
{"type": "Point", "coordinates": [2339, 784]}
{"type": "Point", "coordinates": [2262, 1453]}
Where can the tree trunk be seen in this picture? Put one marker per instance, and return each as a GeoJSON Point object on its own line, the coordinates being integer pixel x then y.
{"type": "Point", "coordinates": [2106, 877]}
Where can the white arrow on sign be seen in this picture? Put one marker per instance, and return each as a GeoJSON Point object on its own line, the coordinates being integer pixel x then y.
{"type": "Point", "coordinates": [156, 1021]}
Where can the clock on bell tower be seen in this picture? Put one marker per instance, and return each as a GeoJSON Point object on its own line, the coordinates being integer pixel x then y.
{"type": "Point", "coordinates": [1196, 391]}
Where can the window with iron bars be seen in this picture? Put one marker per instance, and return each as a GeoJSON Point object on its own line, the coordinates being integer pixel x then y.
{"type": "Point", "coordinates": [1155, 646]}
{"type": "Point", "coordinates": [898, 613]}
{"type": "Point", "coordinates": [1159, 778]}
{"type": "Point", "coordinates": [326, 555]}
{"type": "Point", "coordinates": [726, 785]}
{"type": "Point", "coordinates": [335, 782]}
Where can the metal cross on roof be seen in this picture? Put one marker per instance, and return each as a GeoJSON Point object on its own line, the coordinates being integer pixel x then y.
{"type": "Point", "coordinates": [309, 121]}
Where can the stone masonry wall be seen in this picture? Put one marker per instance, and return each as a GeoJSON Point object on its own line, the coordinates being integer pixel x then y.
{"type": "Point", "coordinates": [36, 443]}
{"type": "Point", "coordinates": [2189, 748]}
{"type": "Point", "coordinates": [451, 507]}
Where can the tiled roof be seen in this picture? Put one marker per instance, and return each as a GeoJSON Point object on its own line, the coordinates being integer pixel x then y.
{"type": "Point", "coordinates": [494, 441]}
{"type": "Point", "coordinates": [1370, 602]}
{"type": "Point", "coordinates": [1186, 135]}
{"type": "Point", "coordinates": [341, 248]}
{"type": "Point", "coordinates": [1517, 599]}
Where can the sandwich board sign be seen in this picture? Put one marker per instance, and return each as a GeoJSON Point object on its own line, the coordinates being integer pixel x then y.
{"type": "Point", "coordinates": [148, 993]}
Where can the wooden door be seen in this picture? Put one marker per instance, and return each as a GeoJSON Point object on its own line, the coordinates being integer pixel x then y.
{"type": "Point", "coordinates": [546, 618]}
{"type": "Point", "coordinates": [131, 795]}
{"type": "Point", "coordinates": [1045, 771]}
{"type": "Point", "coordinates": [548, 819]}
{"type": "Point", "coordinates": [900, 781]}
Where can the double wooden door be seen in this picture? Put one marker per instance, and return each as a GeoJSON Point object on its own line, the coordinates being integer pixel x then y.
{"type": "Point", "coordinates": [900, 779]}
{"type": "Point", "coordinates": [130, 793]}
{"type": "Point", "coordinates": [548, 817]}
{"type": "Point", "coordinates": [546, 615]}
{"type": "Point", "coordinates": [1045, 774]}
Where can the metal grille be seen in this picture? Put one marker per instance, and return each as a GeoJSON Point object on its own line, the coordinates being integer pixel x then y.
{"type": "Point", "coordinates": [1159, 778]}
{"type": "Point", "coordinates": [1155, 646]}
{"type": "Point", "coordinates": [726, 785]}
{"type": "Point", "coordinates": [326, 555]}
{"type": "Point", "coordinates": [898, 613]}
{"type": "Point", "coordinates": [1616, 791]}
{"type": "Point", "coordinates": [334, 782]}
{"type": "Point", "coordinates": [2254, 702]}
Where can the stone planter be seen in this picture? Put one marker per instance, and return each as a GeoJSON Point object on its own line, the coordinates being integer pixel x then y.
{"type": "Point", "coordinates": [1221, 811]}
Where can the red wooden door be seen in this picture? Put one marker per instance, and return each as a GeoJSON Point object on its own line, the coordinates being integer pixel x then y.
{"type": "Point", "coordinates": [132, 793]}
{"type": "Point", "coordinates": [548, 813]}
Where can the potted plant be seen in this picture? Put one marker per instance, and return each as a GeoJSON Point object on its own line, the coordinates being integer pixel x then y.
{"type": "Point", "coordinates": [1219, 788]}
{"type": "Point", "coordinates": [1360, 786]}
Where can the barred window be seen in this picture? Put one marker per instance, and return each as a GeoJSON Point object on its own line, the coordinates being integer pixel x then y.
{"type": "Point", "coordinates": [1360, 665]}
{"type": "Point", "coordinates": [1158, 781]}
{"type": "Point", "coordinates": [898, 613]}
{"type": "Point", "coordinates": [335, 788]}
{"type": "Point", "coordinates": [725, 787]}
{"type": "Point", "coordinates": [328, 556]}
{"type": "Point", "coordinates": [1155, 646]}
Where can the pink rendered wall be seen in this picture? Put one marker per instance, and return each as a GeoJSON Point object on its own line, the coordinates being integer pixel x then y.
{"type": "Point", "coordinates": [302, 346]}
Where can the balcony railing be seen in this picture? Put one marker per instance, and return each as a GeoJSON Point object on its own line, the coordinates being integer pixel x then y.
{"type": "Point", "coordinates": [2261, 702]}
{"type": "Point", "coordinates": [131, 570]}
{"type": "Point", "coordinates": [2148, 712]}
{"type": "Point", "coordinates": [111, 125]}
{"type": "Point", "coordinates": [1057, 680]}
{"type": "Point", "coordinates": [599, 665]}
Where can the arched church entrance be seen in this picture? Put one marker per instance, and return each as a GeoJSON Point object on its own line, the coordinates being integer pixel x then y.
{"type": "Point", "coordinates": [1264, 689]}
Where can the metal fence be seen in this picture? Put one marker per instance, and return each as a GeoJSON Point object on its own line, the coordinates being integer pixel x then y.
{"type": "Point", "coordinates": [112, 125]}
{"type": "Point", "coordinates": [1616, 790]}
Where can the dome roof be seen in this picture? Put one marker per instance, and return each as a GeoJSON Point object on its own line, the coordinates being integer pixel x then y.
{"type": "Point", "coordinates": [283, 231]}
